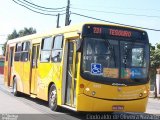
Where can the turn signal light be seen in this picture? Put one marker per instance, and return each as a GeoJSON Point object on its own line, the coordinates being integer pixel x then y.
{"type": "Point", "coordinates": [81, 85]}
{"type": "Point", "coordinates": [145, 92]}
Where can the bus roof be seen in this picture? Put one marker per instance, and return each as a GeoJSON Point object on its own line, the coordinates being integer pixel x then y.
{"type": "Point", "coordinates": [66, 29]}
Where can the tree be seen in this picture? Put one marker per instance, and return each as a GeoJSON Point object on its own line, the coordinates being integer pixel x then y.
{"type": "Point", "coordinates": [15, 34]}
{"type": "Point", "coordinates": [26, 32]}
{"type": "Point", "coordinates": [155, 64]}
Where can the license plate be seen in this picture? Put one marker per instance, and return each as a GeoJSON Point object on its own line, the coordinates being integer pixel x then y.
{"type": "Point", "coordinates": [117, 107]}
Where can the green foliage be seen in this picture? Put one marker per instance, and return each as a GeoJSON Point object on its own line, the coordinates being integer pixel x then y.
{"type": "Point", "coordinates": [154, 64]}
{"type": "Point", "coordinates": [155, 56]}
{"type": "Point", "coordinates": [152, 48]}
{"type": "Point", "coordinates": [15, 34]}
{"type": "Point", "coordinates": [152, 70]}
{"type": "Point", "coordinates": [24, 32]}
{"type": "Point", "coordinates": [158, 46]}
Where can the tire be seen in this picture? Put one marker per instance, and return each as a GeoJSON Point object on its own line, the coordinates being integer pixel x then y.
{"type": "Point", "coordinates": [52, 98]}
{"type": "Point", "coordinates": [15, 92]}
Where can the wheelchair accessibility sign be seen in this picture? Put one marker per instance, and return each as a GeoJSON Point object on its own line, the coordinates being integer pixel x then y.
{"type": "Point", "coordinates": [96, 68]}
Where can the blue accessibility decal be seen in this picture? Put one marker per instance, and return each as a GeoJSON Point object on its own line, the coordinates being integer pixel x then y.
{"type": "Point", "coordinates": [137, 73]}
{"type": "Point", "coordinates": [96, 68]}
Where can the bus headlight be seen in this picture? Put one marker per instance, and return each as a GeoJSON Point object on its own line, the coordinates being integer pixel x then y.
{"type": "Point", "coordinates": [87, 89]}
{"type": "Point", "coordinates": [141, 94]}
{"type": "Point", "coordinates": [93, 93]}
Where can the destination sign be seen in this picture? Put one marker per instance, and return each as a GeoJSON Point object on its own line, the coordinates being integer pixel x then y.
{"type": "Point", "coordinates": [122, 33]}
{"type": "Point", "coordinates": [104, 31]}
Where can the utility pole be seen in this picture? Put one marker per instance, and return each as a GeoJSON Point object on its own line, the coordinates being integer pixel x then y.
{"type": "Point", "coordinates": [58, 20]}
{"type": "Point", "coordinates": [67, 21]}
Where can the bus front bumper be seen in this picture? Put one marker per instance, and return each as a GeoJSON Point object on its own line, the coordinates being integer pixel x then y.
{"type": "Point", "coordinates": [91, 104]}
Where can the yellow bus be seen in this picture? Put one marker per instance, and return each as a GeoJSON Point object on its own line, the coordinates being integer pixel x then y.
{"type": "Point", "coordinates": [86, 67]}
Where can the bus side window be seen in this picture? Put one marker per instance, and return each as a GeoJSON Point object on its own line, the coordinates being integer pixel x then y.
{"type": "Point", "coordinates": [18, 52]}
{"type": "Point", "coordinates": [25, 51]}
{"type": "Point", "coordinates": [46, 47]}
{"type": "Point", "coordinates": [57, 49]}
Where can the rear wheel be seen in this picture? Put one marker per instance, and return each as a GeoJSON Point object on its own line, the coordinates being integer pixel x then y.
{"type": "Point", "coordinates": [52, 98]}
{"type": "Point", "coordinates": [15, 92]}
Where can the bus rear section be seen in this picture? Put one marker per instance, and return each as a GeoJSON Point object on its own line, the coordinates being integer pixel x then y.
{"type": "Point", "coordinates": [113, 73]}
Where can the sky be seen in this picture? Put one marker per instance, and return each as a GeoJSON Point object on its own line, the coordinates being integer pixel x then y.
{"type": "Point", "coordinates": [141, 13]}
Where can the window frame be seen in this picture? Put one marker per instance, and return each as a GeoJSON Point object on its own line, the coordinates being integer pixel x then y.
{"type": "Point", "coordinates": [17, 51]}
{"type": "Point", "coordinates": [42, 43]}
{"type": "Point", "coordinates": [57, 49]}
{"type": "Point", "coordinates": [25, 51]}
{"type": "Point", "coordinates": [6, 53]}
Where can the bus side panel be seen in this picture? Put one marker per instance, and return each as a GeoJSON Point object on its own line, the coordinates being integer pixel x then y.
{"type": "Point", "coordinates": [26, 77]}
{"type": "Point", "coordinates": [45, 74]}
{"type": "Point", "coordinates": [6, 73]}
{"type": "Point", "coordinates": [57, 79]}
{"type": "Point", "coordinates": [9, 66]}
{"type": "Point", "coordinates": [18, 72]}
{"type": "Point", "coordinates": [51, 74]}
{"type": "Point", "coordinates": [6, 67]}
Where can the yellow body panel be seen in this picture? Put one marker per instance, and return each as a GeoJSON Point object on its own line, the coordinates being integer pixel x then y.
{"type": "Point", "coordinates": [115, 92]}
{"type": "Point", "coordinates": [86, 103]}
{"type": "Point", "coordinates": [47, 73]}
{"type": "Point", "coordinates": [26, 77]}
{"type": "Point", "coordinates": [106, 96]}
{"type": "Point", "coordinates": [6, 73]}
{"type": "Point", "coordinates": [34, 76]}
{"type": "Point", "coordinates": [18, 71]}
{"type": "Point", "coordinates": [45, 76]}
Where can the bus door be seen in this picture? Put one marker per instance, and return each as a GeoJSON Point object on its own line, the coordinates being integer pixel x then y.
{"type": "Point", "coordinates": [34, 68]}
{"type": "Point", "coordinates": [70, 95]}
{"type": "Point", "coordinates": [10, 64]}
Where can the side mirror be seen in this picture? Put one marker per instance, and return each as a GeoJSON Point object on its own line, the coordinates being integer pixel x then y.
{"type": "Point", "coordinates": [78, 45]}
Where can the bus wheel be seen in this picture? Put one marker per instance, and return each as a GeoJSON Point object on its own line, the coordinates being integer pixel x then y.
{"type": "Point", "coordinates": [52, 99]}
{"type": "Point", "coordinates": [15, 92]}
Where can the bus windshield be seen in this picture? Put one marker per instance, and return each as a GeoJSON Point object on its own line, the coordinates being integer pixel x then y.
{"type": "Point", "coordinates": [110, 61]}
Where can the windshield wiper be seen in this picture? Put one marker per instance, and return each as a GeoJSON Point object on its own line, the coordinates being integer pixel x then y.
{"type": "Point", "coordinates": [127, 50]}
{"type": "Point", "coordinates": [111, 49]}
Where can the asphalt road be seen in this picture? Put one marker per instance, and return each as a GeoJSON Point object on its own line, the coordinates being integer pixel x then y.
{"type": "Point", "coordinates": [26, 108]}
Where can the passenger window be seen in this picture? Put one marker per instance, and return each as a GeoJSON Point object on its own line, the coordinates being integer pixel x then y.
{"type": "Point", "coordinates": [18, 52]}
{"type": "Point", "coordinates": [47, 43]}
{"type": "Point", "coordinates": [46, 48]}
{"type": "Point", "coordinates": [25, 46]}
{"type": "Point", "coordinates": [18, 47]}
{"type": "Point", "coordinates": [25, 51]}
{"type": "Point", "coordinates": [58, 42]}
{"type": "Point", "coordinates": [45, 56]}
{"type": "Point", "coordinates": [57, 49]}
